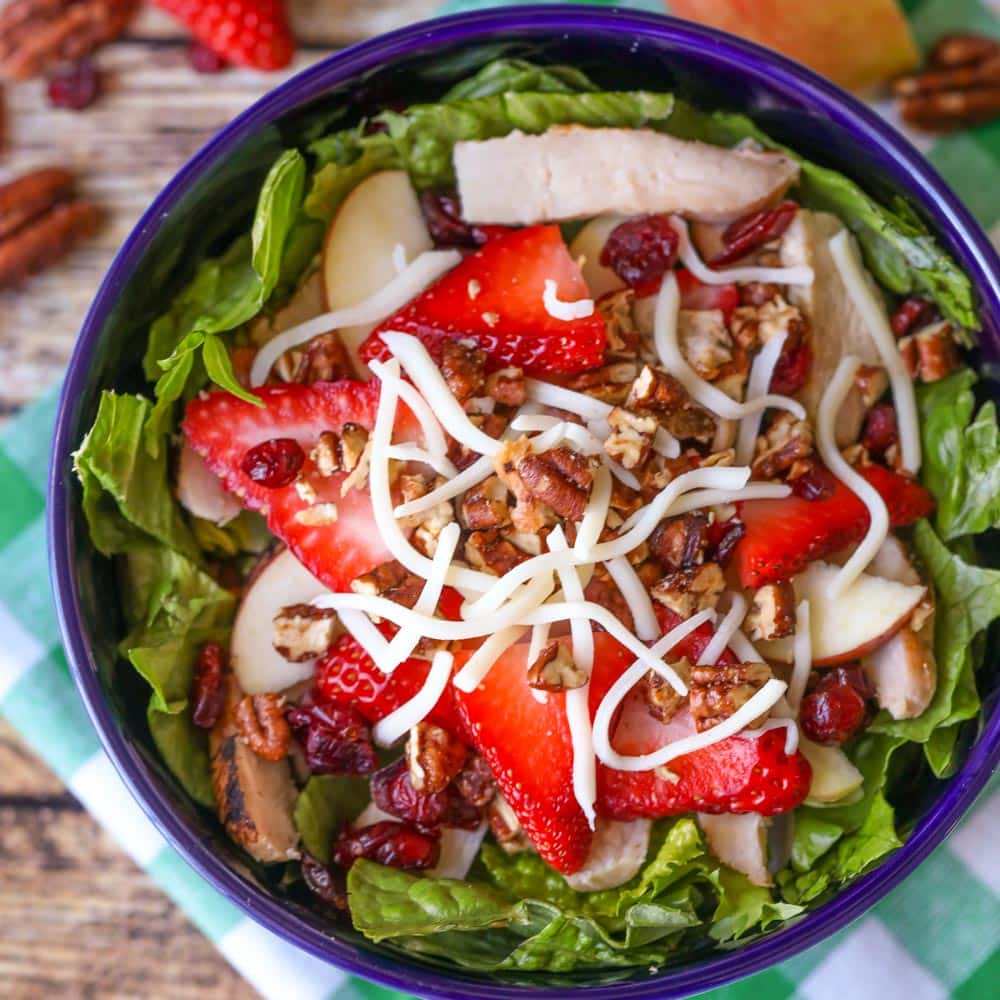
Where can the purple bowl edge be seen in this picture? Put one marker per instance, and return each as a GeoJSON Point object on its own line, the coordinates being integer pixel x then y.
{"type": "Point", "coordinates": [390, 970]}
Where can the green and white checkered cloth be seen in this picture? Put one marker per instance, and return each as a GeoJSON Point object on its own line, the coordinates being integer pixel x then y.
{"type": "Point", "coordinates": [936, 936]}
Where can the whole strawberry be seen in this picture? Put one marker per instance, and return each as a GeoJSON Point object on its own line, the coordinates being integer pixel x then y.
{"type": "Point", "coordinates": [252, 33]}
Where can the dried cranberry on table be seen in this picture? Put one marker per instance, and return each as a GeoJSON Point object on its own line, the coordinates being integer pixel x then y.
{"type": "Point", "coordinates": [388, 843]}
{"type": "Point", "coordinates": [750, 233]}
{"type": "Point", "coordinates": [792, 369]}
{"type": "Point", "coordinates": [76, 87]}
{"type": "Point", "coordinates": [336, 739]}
{"type": "Point", "coordinates": [838, 706]}
{"type": "Point", "coordinates": [910, 314]}
{"type": "Point", "coordinates": [641, 251]}
{"type": "Point", "coordinates": [393, 792]}
{"type": "Point", "coordinates": [204, 59]}
{"type": "Point", "coordinates": [275, 463]}
{"type": "Point", "coordinates": [880, 431]}
{"type": "Point", "coordinates": [208, 692]}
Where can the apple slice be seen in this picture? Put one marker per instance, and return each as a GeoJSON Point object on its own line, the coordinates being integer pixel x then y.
{"type": "Point", "coordinates": [381, 213]}
{"type": "Point", "coordinates": [834, 777]}
{"type": "Point", "coordinates": [278, 581]}
{"type": "Point", "coordinates": [588, 244]}
{"type": "Point", "coordinates": [739, 841]}
{"type": "Point", "coordinates": [200, 491]}
{"type": "Point", "coordinates": [866, 615]}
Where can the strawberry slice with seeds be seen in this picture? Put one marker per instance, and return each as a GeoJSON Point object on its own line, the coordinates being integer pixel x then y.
{"type": "Point", "coordinates": [783, 536]}
{"type": "Point", "coordinates": [494, 297]}
{"type": "Point", "coordinates": [695, 294]}
{"type": "Point", "coordinates": [333, 536]}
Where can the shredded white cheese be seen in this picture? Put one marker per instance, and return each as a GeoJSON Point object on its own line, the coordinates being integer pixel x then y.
{"type": "Point", "coordinates": [790, 726]}
{"type": "Point", "coordinates": [566, 399]}
{"type": "Point", "coordinates": [726, 630]}
{"type": "Point", "coordinates": [502, 587]}
{"type": "Point", "coordinates": [584, 760]}
{"type": "Point", "coordinates": [802, 653]}
{"type": "Point", "coordinates": [424, 270]}
{"type": "Point", "coordinates": [399, 260]}
{"type": "Point", "coordinates": [582, 635]}
{"type": "Point", "coordinates": [434, 439]}
{"type": "Point", "coordinates": [801, 275]}
{"type": "Point", "coordinates": [567, 311]}
{"type": "Point", "coordinates": [744, 648]}
{"type": "Point", "coordinates": [386, 731]}
{"type": "Point", "coordinates": [698, 499]}
{"type": "Point", "coordinates": [878, 528]}
{"type": "Point", "coordinates": [872, 311]}
{"type": "Point", "coordinates": [595, 514]}
{"type": "Point", "coordinates": [640, 604]}
{"type": "Point", "coordinates": [464, 480]}
{"type": "Point", "coordinates": [369, 638]}
{"type": "Point", "coordinates": [414, 453]}
{"type": "Point", "coordinates": [759, 382]}
{"type": "Point", "coordinates": [482, 660]}
{"type": "Point", "coordinates": [539, 637]}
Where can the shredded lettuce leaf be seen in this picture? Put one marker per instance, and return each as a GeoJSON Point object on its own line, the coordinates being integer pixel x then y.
{"type": "Point", "coordinates": [326, 804]}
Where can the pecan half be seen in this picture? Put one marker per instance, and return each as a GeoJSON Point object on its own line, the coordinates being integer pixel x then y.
{"type": "Point", "coordinates": [610, 383]}
{"type": "Point", "coordinates": [303, 632]}
{"type": "Point", "coordinates": [930, 353]}
{"type": "Point", "coordinates": [391, 580]}
{"type": "Point", "coordinates": [325, 359]}
{"type": "Point", "coordinates": [433, 757]}
{"type": "Point", "coordinates": [507, 386]}
{"type": "Point", "coordinates": [485, 505]}
{"type": "Point", "coordinates": [785, 442]}
{"type": "Point", "coordinates": [753, 326]}
{"type": "Point", "coordinates": [462, 365]}
{"type": "Point", "coordinates": [631, 439]}
{"type": "Point", "coordinates": [716, 692]}
{"type": "Point", "coordinates": [555, 670]}
{"type": "Point", "coordinates": [772, 612]}
{"type": "Point", "coordinates": [261, 721]}
{"type": "Point", "coordinates": [686, 591]}
{"type": "Point", "coordinates": [680, 542]}
{"type": "Point", "coordinates": [339, 452]}
{"type": "Point", "coordinates": [660, 393]}
{"type": "Point", "coordinates": [488, 550]}
{"type": "Point", "coordinates": [560, 478]}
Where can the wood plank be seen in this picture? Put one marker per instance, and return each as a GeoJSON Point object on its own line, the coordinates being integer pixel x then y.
{"type": "Point", "coordinates": [22, 775]}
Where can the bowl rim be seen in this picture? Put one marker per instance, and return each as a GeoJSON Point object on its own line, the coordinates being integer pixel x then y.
{"type": "Point", "coordinates": [396, 971]}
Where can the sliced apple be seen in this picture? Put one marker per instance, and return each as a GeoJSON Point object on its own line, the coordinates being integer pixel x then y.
{"type": "Point", "coordinates": [834, 777]}
{"type": "Point", "coordinates": [573, 172]}
{"type": "Point", "coordinates": [739, 841]}
{"type": "Point", "coordinates": [201, 492]}
{"type": "Point", "coordinates": [381, 213]}
{"type": "Point", "coordinates": [617, 852]}
{"type": "Point", "coordinates": [278, 581]}
{"type": "Point", "coordinates": [870, 611]}
{"type": "Point", "coordinates": [587, 246]}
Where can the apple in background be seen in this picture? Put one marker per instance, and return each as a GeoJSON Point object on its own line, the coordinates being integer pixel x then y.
{"type": "Point", "coordinates": [358, 252]}
{"type": "Point", "coordinates": [866, 615]}
{"type": "Point", "coordinates": [834, 777]}
{"type": "Point", "coordinates": [859, 44]}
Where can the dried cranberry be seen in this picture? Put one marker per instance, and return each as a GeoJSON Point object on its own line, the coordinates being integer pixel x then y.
{"type": "Point", "coordinates": [723, 537]}
{"type": "Point", "coordinates": [641, 251]}
{"type": "Point", "coordinates": [792, 369]}
{"type": "Point", "coordinates": [911, 314]}
{"type": "Point", "coordinates": [388, 843]}
{"type": "Point", "coordinates": [275, 463]}
{"type": "Point", "coordinates": [204, 59]}
{"type": "Point", "coordinates": [208, 692]}
{"type": "Point", "coordinates": [850, 674]}
{"type": "Point", "coordinates": [324, 883]}
{"type": "Point", "coordinates": [880, 431]}
{"type": "Point", "coordinates": [748, 234]}
{"type": "Point", "coordinates": [834, 711]}
{"type": "Point", "coordinates": [393, 792]}
{"type": "Point", "coordinates": [336, 739]}
{"type": "Point", "coordinates": [443, 215]}
{"type": "Point", "coordinates": [75, 87]}
{"type": "Point", "coordinates": [817, 483]}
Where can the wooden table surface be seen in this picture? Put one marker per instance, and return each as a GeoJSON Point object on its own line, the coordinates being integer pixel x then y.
{"type": "Point", "coordinates": [78, 918]}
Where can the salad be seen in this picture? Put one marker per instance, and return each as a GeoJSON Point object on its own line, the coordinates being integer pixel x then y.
{"type": "Point", "coordinates": [553, 536]}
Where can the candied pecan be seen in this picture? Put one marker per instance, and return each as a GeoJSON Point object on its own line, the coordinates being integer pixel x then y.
{"type": "Point", "coordinates": [785, 442]}
{"type": "Point", "coordinates": [716, 692]}
{"type": "Point", "coordinates": [303, 632]}
{"type": "Point", "coordinates": [555, 669]}
{"type": "Point", "coordinates": [506, 386]}
{"type": "Point", "coordinates": [659, 392]}
{"type": "Point", "coordinates": [930, 353]}
{"type": "Point", "coordinates": [462, 365]}
{"type": "Point", "coordinates": [393, 792]}
{"type": "Point", "coordinates": [680, 542]}
{"type": "Point", "coordinates": [488, 550]}
{"type": "Point", "coordinates": [429, 524]}
{"type": "Point", "coordinates": [336, 739]}
{"type": "Point", "coordinates": [506, 827]}
{"type": "Point", "coordinates": [616, 308]}
{"type": "Point", "coordinates": [631, 439]}
{"type": "Point", "coordinates": [604, 591]}
{"type": "Point", "coordinates": [391, 580]}
{"type": "Point", "coordinates": [872, 381]}
{"type": "Point", "coordinates": [325, 359]}
{"type": "Point", "coordinates": [661, 700]}
{"type": "Point", "coordinates": [560, 478]}
{"type": "Point", "coordinates": [208, 689]}
{"type": "Point", "coordinates": [756, 293]}
{"type": "Point", "coordinates": [529, 514]}
{"type": "Point", "coordinates": [705, 340]}
{"type": "Point", "coordinates": [397, 845]}
{"type": "Point", "coordinates": [485, 505]}
{"type": "Point", "coordinates": [772, 612]}
{"type": "Point", "coordinates": [324, 883]}
{"type": "Point", "coordinates": [475, 782]}
{"type": "Point", "coordinates": [624, 500]}
{"type": "Point", "coordinates": [752, 326]}
{"type": "Point", "coordinates": [434, 757]}
{"type": "Point", "coordinates": [610, 383]}
{"type": "Point", "coordinates": [261, 721]}
{"type": "Point", "coordinates": [961, 49]}
{"type": "Point", "coordinates": [491, 424]}
{"type": "Point", "coordinates": [686, 591]}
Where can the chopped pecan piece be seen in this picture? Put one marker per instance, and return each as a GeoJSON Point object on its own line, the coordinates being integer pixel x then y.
{"type": "Point", "coordinates": [489, 551]}
{"type": "Point", "coordinates": [631, 437]}
{"type": "Point", "coordinates": [492, 424]}
{"type": "Point", "coordinates": [560, 478]}
{"type": "Point", "coordinates": [505, 826]}
{"type": "Point", "coordinates": [616, 308]}
{"type": "Point", "coordinates": [686, 591]}
{"type": "Point", "coordinates": [772, 612]}
{"type": "Point", "coordinates": [705, 340]}
{"type": "Point", "coordinates": [930, 353]}
{"type": "Point", "coordinates": [752, 326]}
{"type": "Point", "coordinates": [339, 452]}
{"type": "Point", "coordinates": [716, 692]}
{"type": "Point", "coordinates": [325, 359]}
{"type": "Point", "coordinates": [785, 442]}
{"type": "Point", "coordinates": [462, 365]}
{"type": "Point", "coordinates": [604, 591]}
{"type": "Point", "coordinates": [260, 719]}
{"type": "Point", "coordinates": [429, 524]}
{"type": "Point", "coordinates": [660, 393]}
{"type": "Point", "coordinates": [529, 514]}
{"type": "Point", "coordinates": [610, 384]}
{"type": "Point", "coordinates": [662, 701]}
{"type": "Point", "coordinates": [391, 580]}
{"type": "Point", "coordinates": [555, 669]}
{"type": "Point", "coordinates": [475, 782]}
{"type": "Point", "coordinates": [433, 757]}
{"type": "Point", "coordinates": [303, 632]}
{"type": "Point", "coordinates": [680, 542]}
{"type": "Point", "coordinates": [506, 386]}
{"type": "Point", "coordinates": [485, 505]}
{"type": "Point", "coordinates": [872, 381]}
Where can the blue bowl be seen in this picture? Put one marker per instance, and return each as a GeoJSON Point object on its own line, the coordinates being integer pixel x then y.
{"type": "Point", "coordinates": [216, 191]}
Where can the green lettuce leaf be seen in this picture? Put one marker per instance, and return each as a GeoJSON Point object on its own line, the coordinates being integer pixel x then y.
{"type": "Point", "coordinates": [184, 749]}
{"type": "Point", "coordinates": [327, 803]}
{"type": "Point", "coordinates": [961, 455]}
{"type": "Point", "coordinates": [505, 75]}
{"type": "Point", "coordinates": [344, 159]}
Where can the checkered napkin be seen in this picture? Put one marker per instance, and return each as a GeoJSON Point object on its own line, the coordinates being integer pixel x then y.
{"type": "Point", "coordinates": [937, 935]}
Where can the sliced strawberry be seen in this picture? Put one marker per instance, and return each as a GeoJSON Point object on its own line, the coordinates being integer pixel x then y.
{"type": "Point", "coordinates": [494, 297]}
{"type": "Point", "coordinates": [697, 295]}
{"type": "Point", "coordinates": [784, 536]}
{"type": "Point", "coordinates": [222, 428]}
{"type": "Point", "coordinates": [527, 746]}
